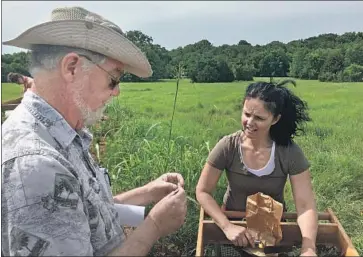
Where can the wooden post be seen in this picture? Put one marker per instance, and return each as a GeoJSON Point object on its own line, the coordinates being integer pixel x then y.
{"type": "Point", "coordinates": [285, 215]}
{"type": "Point", "coordinates": [8, 107]}
{"type": "Point", "coordinates": [10, 104]}
{"type": "Point", "coordinates": [13, 101]}
{"type": "Point", "coordinates": [344, 240]}
{"type": "Point", "coordinates": [200, 242]}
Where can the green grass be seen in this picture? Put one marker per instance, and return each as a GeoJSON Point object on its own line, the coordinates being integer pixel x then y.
{"type": "Point", "coordinates": [10, 91]}
{"type": "Point", "coordinates": [138, 130]}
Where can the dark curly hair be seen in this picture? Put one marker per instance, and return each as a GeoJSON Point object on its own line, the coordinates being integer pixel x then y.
{"type": "Point", "coordinates": [280, 100]}
{"type": "Point", "coordinates": [14, 77]}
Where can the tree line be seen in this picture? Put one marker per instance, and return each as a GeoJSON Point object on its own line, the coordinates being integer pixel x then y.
{"type": "Point", "coordinates": [327, 57]}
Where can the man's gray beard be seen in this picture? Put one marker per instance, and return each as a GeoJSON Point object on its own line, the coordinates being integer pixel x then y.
{"type": "Point", "coordinates": [89, 117]}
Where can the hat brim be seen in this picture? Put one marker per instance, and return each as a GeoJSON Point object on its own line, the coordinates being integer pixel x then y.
{"type": "Point", "coordinates": [90, 36]}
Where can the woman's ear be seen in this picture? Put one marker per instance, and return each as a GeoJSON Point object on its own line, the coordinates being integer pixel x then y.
{"type": "Point", "coordinates": [276, 119]}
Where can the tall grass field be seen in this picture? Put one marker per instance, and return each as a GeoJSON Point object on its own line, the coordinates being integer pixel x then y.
{"type": "Point", "coordinates": [139, 147]}
{"type": "Point", "coordinates": [10, 91]}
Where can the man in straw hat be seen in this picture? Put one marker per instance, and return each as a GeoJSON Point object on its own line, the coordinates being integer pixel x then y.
{"type": "Point", "coordinates": [55, 199]}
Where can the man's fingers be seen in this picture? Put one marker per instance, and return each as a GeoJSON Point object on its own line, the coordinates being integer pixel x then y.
{"type": "Point", "coordinates": [173, 192]}
{"type": "Point", "coordinates": [180, 186]}
{"type": "Point", "coordinates": [171, 186]}
{"type": "Point", "coordinates": [174, 177]}
{"type": "Point", "coordinates": [180, 179]}
{"type": "Point", "coordinates": [179, 193]}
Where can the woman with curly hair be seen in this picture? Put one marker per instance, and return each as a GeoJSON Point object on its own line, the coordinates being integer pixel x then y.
{"type": "Point", "coordinates": [260, 158]}
{"type": "Point", "coordinates": [19, 79]}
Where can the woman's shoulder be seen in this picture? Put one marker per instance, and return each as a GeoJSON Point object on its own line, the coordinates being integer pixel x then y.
{"type": "Point", "coordinates": [293, 158]}
{"type": "Point", "coordinates": [222, 153]}
{"type": "Point", "coordinates": [231, 139]}
{"type": "Point", "coordinates": [289, 149]}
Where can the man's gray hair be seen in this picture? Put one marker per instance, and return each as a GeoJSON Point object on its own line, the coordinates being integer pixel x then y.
{"type": "Point", "coordinates": [47, 57]}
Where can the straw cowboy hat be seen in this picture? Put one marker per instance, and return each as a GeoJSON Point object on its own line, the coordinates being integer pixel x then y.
{"type": "Point", "coordinates": [78, 27]}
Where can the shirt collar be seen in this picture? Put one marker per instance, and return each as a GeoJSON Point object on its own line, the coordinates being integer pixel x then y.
{"type": "Point", "coordinates": [57, 126]}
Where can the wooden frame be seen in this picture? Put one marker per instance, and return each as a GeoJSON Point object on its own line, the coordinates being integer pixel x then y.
{"type": "Point", "coordinates": [329, 233]}
{"type": "Point", "coordinates": [11, 104]}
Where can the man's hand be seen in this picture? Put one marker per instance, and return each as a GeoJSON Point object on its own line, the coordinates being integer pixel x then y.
{"type": "Point", "coordinates": [167, 216]}
{"type": "Point", "coordinates": [163, 185]}
{"type": "Point", "coordinates": [173, 177]}
{"type": "Point", "coordinates": [169, 213]}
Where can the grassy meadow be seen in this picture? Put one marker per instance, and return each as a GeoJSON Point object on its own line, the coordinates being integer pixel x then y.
{"type": "Point", "coordinates": [10, 91]}
{"type": "Point", "coordinates": [138, 148]}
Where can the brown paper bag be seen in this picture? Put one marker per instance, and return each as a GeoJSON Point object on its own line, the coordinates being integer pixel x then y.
{"type": "Point", "coordinates": [263, 216]}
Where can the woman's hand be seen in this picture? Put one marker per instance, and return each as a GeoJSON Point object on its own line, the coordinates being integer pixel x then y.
{"type": "Point", "coordinates": [238, 235]}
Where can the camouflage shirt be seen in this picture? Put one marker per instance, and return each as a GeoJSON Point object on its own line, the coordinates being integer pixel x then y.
{"type": "Point", "coordinates": [55, 198]}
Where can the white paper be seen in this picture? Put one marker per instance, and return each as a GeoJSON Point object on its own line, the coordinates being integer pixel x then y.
{"type": "Point", "coordinates": [130, 215]}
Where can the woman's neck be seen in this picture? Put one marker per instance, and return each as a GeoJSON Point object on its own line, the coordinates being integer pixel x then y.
{"type": "Point", "coordinates": [258, 143]}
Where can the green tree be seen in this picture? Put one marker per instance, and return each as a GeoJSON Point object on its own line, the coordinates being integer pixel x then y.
{"type": "Point", "coordinates": [298, 63]}
{"type": "Point", "coordinates": [313, 64]}
{"type": "Point", "coordinates": [354, 54]}
{"type": "Point", "coordinates": [274, 64]}
{"type": "Point", "coordinates": [324, 57]}
{"type": "Point", "coordinates": [353, 73]}
{"type": "Point", "coordinates": [244, 72]}
{"type": "Point", "coordinates": [334, 61]}
{"type": "Point", "coordinates": [138, 38]}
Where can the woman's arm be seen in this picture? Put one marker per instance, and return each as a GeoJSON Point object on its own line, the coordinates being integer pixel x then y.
{"type": "Point", "coordinates": [307, 217]}
{"type": "Point", "coordinates": [206, 185]}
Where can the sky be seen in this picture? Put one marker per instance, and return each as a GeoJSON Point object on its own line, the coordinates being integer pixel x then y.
{"type": "Point", "coordinates": [174, 24]}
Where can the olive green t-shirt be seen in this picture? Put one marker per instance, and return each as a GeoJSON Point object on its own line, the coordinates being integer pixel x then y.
{"type": "Point", "coordinates": [226, 155]}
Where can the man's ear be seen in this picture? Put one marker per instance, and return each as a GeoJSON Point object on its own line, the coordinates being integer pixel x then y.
{"type": "Point", "coordinates": [276, 119]}
{"type": "Point", "coordinates": [69, 66]}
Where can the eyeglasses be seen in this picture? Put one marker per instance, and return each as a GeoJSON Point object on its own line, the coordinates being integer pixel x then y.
{"type": "Point", "coordinates": [114, 81]}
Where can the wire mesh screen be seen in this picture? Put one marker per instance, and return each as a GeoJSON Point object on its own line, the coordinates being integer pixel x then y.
{"type": "Point", "coordinates": [231, 250]}
{"type": "Point", "coordinates": [236, 251]}
{"type": "Point", "coordinates": [225, 250]}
